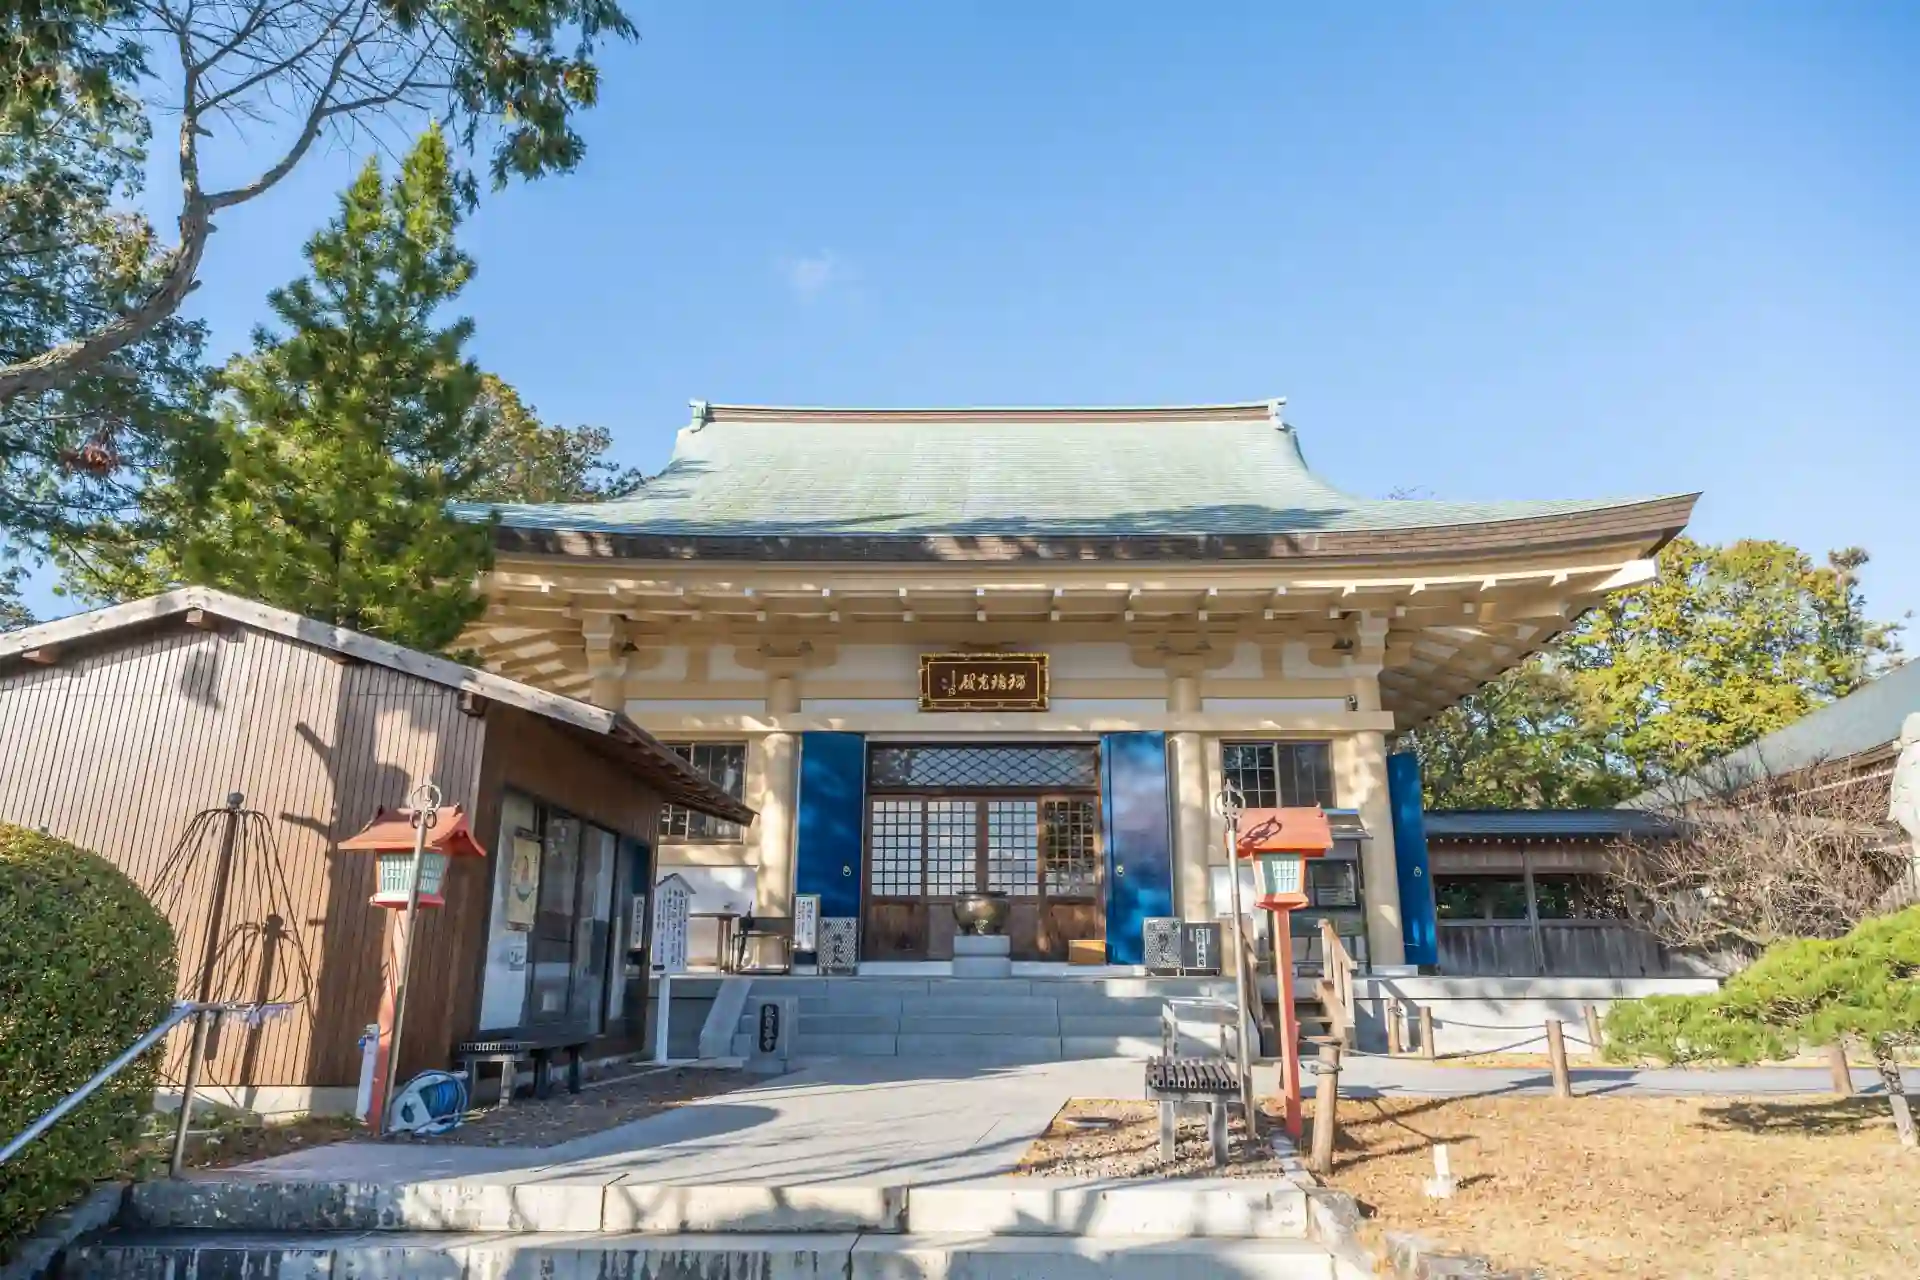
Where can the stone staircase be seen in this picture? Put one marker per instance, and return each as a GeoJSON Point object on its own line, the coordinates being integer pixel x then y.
{"type": "Point", "coordinates": [494, 1229]}
{"type": "Point", "coordinates": [978, 1019]}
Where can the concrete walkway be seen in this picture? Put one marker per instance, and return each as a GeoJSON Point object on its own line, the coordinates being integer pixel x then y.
{"type": "Point", "coordinates": [889, 1121]}
{"type": "Point", "coordinates": [906, 1121]}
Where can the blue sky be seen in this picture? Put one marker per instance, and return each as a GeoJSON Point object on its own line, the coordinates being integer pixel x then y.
{"type": "Point", "coordinates": [1484, 250]}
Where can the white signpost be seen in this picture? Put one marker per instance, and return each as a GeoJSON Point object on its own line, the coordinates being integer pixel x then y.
{"type": "Point", "coordinates": [672, 901]}
{"type": "Point", "coordinates": [806, 922]}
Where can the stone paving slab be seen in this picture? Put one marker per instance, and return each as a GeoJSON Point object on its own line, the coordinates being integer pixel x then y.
{"type": "Point", "coordinates": [1218, 1208]}
{"type": "Point", "coordinates": [937, 1257]}
{"type": "Point", "coordinates": [759, 1209]}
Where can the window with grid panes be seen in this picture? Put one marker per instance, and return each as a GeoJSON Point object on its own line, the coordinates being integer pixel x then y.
{"type": "Point", "coordinates": [1072, 853]}
{"type": "Point", "coordinates": [1279, 775]}
{"type": "Point", "coordinates": [725, 765]}
{"type": "Point", "coordinates": [897, 851]}
{"type": "Point", "coordinates": [1013, 846]}
{"type": "Point", "coordinates": [953, 842]}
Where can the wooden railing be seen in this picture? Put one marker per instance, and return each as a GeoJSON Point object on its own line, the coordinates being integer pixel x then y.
{"type": "Point", "coordinates": [1335, 985]}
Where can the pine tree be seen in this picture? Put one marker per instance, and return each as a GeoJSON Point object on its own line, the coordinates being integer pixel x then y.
{"type": "Point", "coordinates": [1861, 989]}
{"type": "Point", "coordinates": [345, 434]}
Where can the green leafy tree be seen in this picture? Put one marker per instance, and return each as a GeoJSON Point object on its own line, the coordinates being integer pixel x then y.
{"type": "Point", "coordinates": [14, 613]}
{"type": "Point", "coordinates": [508, 76]}
{"type": "Point", "coordinates": [57, 56]}
{"type": "Point", "coordinates": [1863, 988]}
{"type": "Point", "coordinates": [1728, 644]}
{"type": "Point", "coordinates": [523, 459]}
{"type": "Point", "coordinates": [69, 262]}
{"type": "Point", "coordinates": [345, 436]}
{"type": "Point", "coordinates": [1517, 743]}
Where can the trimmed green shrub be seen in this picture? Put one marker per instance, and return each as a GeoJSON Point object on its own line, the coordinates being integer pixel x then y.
{"type": "Point", "coordinates": [86, 968]}
{"type": "Point", "coordinates": [1863, 989]}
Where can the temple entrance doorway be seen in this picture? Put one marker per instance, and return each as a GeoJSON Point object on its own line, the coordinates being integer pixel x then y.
{"type": "Point", "coordinates": [945, 821]}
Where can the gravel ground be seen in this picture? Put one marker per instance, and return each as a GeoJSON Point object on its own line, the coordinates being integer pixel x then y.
{"type": "Point", "coordinates": [601, 1105]}
{"type": "Point", "coordinates": [1131, 1149]}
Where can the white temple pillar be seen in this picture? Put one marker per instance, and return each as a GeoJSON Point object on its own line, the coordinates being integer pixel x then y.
{"type": "Point", "coordinates": [1361, 766]}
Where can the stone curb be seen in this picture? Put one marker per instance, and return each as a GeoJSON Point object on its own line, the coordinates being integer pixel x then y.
{"type": "Point", "coordinates": [34, 1256]}
{"type": "Point", "coordinates": [1333, 1222]}
{"type": "Point", "coordinates": [1241, 1209]}
{"type": "Point", "coordinates": [1217, 1209]}
{"type": "Point", "coordinates": [1415, 1257]}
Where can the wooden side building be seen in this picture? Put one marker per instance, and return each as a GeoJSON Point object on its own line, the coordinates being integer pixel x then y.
{"type": "Point", "coordinates": [1523, 893]}
{"type": "Point", "coordinates": [120, 728]}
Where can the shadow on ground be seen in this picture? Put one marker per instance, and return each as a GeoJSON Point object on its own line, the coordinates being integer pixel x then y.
{"type": "Point", "coordinates": [1815, 1116]}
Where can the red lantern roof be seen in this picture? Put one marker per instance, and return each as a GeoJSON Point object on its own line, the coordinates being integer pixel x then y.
{"type": "Point", "coordinates": [1302, 831]}
{"type": "Point", "coordinates": [391, 831]}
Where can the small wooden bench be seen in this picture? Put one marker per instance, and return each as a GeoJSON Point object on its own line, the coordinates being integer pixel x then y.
{"type": "Point", "coordinates": [506, 1054]}
{"type": "Point", "coordinates": [1213, 1081]}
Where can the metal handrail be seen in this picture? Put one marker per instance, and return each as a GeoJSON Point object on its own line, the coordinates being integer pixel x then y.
{"type": "Point", "coordinates": [179, 1014]}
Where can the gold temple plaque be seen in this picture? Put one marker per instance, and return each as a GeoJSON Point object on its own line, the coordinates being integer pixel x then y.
{"type": "Point", "coordinates": [983, 682]}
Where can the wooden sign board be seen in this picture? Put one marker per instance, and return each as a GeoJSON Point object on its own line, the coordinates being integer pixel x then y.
{"type": "Point", "coordinates": [806, 923]}
{"type": "Point", "coordinates": [983, 682]}
{"type": "Point", "coordinates": [672, 903]}
{"type": "Point", "coordinates": [1200, 948]}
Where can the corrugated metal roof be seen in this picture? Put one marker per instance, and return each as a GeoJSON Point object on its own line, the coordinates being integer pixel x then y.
{"type": "Point", "coordinates": [672, 776]}
{"type": "Point", "coordinates": [1555, 824]}
{"type": "Point", "coordinates": [1220, 470]}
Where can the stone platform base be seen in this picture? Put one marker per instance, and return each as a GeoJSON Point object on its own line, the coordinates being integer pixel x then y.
{"type": "Point", "coordinates": [978, 956]}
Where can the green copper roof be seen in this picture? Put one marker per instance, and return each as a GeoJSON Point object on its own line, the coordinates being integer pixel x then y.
{"type": "Point", "coordinates": [1222, 470]}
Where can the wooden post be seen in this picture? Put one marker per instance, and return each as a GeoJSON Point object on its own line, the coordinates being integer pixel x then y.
{"type": "Point", "coordinates": [1169, 1129]}
{"type": "Point", "coordinates": [1426, 1033]}
{"type": "Point", "coordinates": [663, 1018]}
{"type": "Point", "coordinates": [1596, 1038]}
{"type": "Point", "coordinates": [1533, 915]}
{"type": "Point", "coordinates": [1394, 1046]}
{"type": "Point", "coordinates": [1326, 1103]}
{"type": "Point", "coordinates": [1557, 1059]}
{"type": "Point", "coordinates": [1842, 1074]}
{"type": "Point", "coordinates": [1289, 1029]}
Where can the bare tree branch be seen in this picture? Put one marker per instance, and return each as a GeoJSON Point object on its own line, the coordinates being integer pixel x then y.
{"type": "Point", "coordinates": [346, 66]}
{"type": "Point", "coordinates": [1761, 859]}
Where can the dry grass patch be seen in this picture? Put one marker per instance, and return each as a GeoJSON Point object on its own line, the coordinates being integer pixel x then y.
{"type": "Point", "coordinates": [1108, 1138]}
{"type": "Point", "coordinates": [1660, 1188]}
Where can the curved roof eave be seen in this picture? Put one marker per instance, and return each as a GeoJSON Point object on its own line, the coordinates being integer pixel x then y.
{"type": "Point", "coordinates": [1652, 523]}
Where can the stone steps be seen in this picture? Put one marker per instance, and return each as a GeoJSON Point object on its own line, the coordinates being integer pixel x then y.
{"type": "Point", "coordinates": [602, 1229]}
{"type": "Point", "coordinates": [632, 1256]}
{"type": "Point", "coordinates": [1226, 1208]}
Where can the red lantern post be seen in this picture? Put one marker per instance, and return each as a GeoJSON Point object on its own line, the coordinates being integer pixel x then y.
{"type": "Point", "coordinates": [1279, 841]}
{"type": "Point", "coordinates": [414, 846]}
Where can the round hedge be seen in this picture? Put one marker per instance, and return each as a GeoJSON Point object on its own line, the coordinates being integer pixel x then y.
{"type": "Point", "coordinates": [86, 968]}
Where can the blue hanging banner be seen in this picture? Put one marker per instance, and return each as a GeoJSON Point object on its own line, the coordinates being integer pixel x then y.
{"type": "Point", "coordinates": [832, 819]}
{"type": "Point", "coordinates": [1139, 839]}
{"type": "Point", "coordinates": [1417, 924]}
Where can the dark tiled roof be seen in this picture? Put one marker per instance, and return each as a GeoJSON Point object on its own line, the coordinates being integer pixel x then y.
{"type": "Point", "coordinates": [1543, 824]}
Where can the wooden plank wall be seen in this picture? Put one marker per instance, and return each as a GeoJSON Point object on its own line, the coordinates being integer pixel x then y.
{"type": "Point", "coordinates": [1572, 949]}
{"type": "Point", "coordinates": [119, 746]}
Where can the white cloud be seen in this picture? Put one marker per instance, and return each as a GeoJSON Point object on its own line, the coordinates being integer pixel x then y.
{"type": "Point", "coordinates": [812, 275]}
